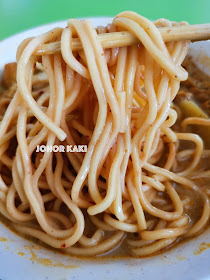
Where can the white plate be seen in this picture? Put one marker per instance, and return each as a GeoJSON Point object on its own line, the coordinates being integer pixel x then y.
{"type": "Point", "coordinates": [22, 260]}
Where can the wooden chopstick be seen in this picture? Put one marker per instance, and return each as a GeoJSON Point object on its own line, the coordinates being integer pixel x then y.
{"type": "Point", "coordinates": [197, 32]}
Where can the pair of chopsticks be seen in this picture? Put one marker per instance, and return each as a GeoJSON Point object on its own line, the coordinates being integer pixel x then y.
{"type": "Point", "coordinates": [197, 32]}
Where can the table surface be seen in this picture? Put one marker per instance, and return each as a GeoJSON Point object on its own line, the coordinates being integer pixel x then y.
{"type": "Point", "coordinates": [19, 15]}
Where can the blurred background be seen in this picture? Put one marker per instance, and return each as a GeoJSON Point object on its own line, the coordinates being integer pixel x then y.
{"type": "Point", "coordinates": [19, 15]}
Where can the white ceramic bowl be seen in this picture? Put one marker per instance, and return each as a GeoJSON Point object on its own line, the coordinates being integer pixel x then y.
{"type": "Point", "coordinates": [22, 260]}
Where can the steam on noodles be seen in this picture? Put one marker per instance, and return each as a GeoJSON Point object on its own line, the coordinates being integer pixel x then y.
{"type": "Point", "coordinates": [135, 182]}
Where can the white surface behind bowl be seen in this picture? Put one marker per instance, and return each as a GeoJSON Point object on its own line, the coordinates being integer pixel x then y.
{"type": "Point", "coordinates": [185, 261]}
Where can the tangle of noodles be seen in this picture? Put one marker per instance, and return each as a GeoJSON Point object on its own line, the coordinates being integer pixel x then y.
{"type": "Point", "coordinates": [136, 181]}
